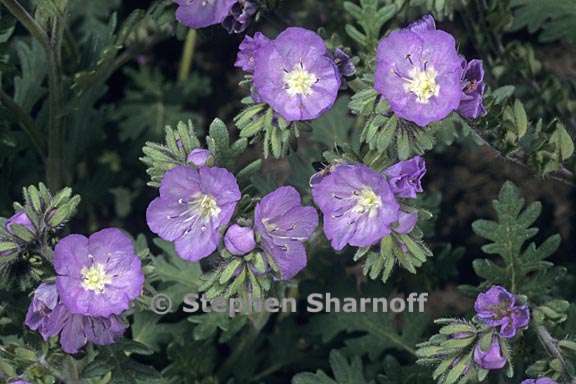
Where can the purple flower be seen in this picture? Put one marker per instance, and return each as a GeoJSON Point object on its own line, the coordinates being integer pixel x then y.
{"type": "Point", "coordinates": [199, 157]}
{"type": "Point", "coordinates": [240, 16]}
{"type": "Point", "coordinates": [405, 177]}
{"type": "Point", "coordinates": [419, 72]}
{"type": "Point", "coordinates": [239, 240]}
{"type": "Point", "coordinates": [406, 222]}
{"type": "Point", "coordinates": [344, 63]}
{"type": "Point", "coordinates": [18, 218]}
{"type": "Point", "coordinates": [471, 106]}
{"type": "Point", "coordinates": [50, 318]}
{"type": "Point", "coordinates": [19, 381]}
{"type": "Point", "coordinates": [426, 23]}
{"type": "Point", "coordinates": [542, 380]}
{"type": "Point", "coordinates": [295, 75]}
{"type": "Point", "coordinates": [492, 358]}
{"type": "Point", "coordinates": [194, 205]}
{"type": "Point", "coordinates": [358, 204]}
{"type": "Point", "coordinates": [498, 308]}
{"type": "Point", "coordinates": [282, 225]}
{"type": "Point", "coordinates": [247, 51]}
{"type": "Point", "coordinates": [202, 13]}
{"type": "Point", "coordinates": [100, 275]}
{"type": "Point", "coordinates": [43, 303]}
{"type": "Point", "coordinates": [76, 330]}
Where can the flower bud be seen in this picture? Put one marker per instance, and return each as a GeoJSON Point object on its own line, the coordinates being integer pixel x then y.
{"type": "Point", "coordinates": [492, 358]}
{"type": "Point", "coordinates": [199, 157]}
{"type": "Point", "coordinates": [239, 240]}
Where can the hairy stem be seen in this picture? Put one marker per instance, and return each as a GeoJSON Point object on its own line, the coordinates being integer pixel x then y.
{"type": "Point", "coordinates": [563, 175]}
{"type": "Point", "coordinates": [551, 345]}
{"type": "Point", "coordinates": [25, 121]}
{"type": "Point", "coordinates": [187, 55]}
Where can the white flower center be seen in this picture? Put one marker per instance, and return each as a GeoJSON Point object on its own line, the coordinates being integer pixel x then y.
{"type": "Point", "coordinates": [94, 278]}
{"type": "Point", "coordinates": [208, 206]}
{"type": "Point", "coordinates": [367, 202]}
{"type": "Point", "coordinates": [299, 81]}
{"type": "Point", "coordinates": [422, 84]}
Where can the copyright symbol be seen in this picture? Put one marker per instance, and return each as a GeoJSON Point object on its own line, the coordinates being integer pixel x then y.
{"type": "Point", "coordinates": [161, 304]}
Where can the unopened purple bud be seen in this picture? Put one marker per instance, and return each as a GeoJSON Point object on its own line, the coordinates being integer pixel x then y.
{"type": "Point", "coordinates": [406, 222]}
{"type": "Point", "coordinates": [239, 240]}
{"type": "Point", "coordinates": [18, 218]}
{"type": "Point", "coordinates": [542, 380]}
{"type": "Point", "coordinates": [492, 358]}
{"type": "Point", "coordinates": [199, 157]}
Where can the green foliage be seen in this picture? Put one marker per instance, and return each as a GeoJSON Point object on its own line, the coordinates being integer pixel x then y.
{"type": "Point", "coordinates": [555, 20]}
{"type": "Point", "coordinates": [345, 372]}
{"type": "Point", "coordinates": [259, 119]}
{"type": "Point", "coordinates": [524, 268]}
{"type": "Point", "coordinates": [378, 331]}
{"type": "Point", "coordinates": [370, 16]}
{"type": "Point", "coordinates": [153, 102]}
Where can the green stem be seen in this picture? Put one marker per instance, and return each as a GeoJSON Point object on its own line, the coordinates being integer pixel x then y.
{"type": "Point", "coordinates": [249, 338]}
{"type": "Point", "coordinates": [187, 56]}
{"type": "Point", "coordinates": [52, 46]}
{"type": "Point", "coordinates": [551, 345]}
{"type": "Point", "coordinates": [55, 169]}
{"type": "Point", "coordinates": [25, 122]}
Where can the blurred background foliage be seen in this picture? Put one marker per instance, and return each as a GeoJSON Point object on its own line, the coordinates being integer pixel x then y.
{"type": "Point", "coordinates": [124, 81]}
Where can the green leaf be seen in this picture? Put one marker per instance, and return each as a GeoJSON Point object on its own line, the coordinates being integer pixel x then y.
{"type": "Point", "coordinates": [345, 372]}
{"type": "Point", "coordinates": [563, 142]}
{"type": "Point", "coordinates": [524, 269]}
{"type": "Point", "coordinates": [374, 332]}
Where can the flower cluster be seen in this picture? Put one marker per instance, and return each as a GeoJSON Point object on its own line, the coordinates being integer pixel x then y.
{"type": "Point", "coordinates": [97, 280]}
{"type": "Point", "coordinates": [423, 78]}
{"type": "Point", "coordinates": [498, 309]}
{"type": "Point", "coordinates": [197, 203]}
{"type": "Point", "coordinates": [360, 206]}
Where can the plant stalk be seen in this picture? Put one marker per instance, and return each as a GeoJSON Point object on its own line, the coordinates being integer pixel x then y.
{"type": "Point", "coordinates": [187, 56]}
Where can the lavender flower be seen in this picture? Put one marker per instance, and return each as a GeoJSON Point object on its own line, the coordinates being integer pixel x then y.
{"type": "Point", "coordinates": [406, 222]}
{"type": "Point", "coordinates": [18, 218]}
{"type": "Point", "coordinates": [471, 106]}
{"type": "Point", "coordinates": [50, 317]}
{"type": "Point", "coordinates": [405, 177]}
{"type": "Point", "coordinates": [100, 275]}
{"type": "Point", "coordinates": [344, 63]}
{"type": "Point", "coordinates": [498, 308]}
{"type": "Point", "coordinates": [247, 51]}
{"type": "Point", "coordinates": [202, 13]}
{"type": "Point", "coordinates": [239, 240]}
{"type": "Point", "coordinates": [194, 205]}
{"type": "Point", "coordinates": [43, 303]}
{"type": "Point", "coordinates": [295, 75]}
{"type": "Point", "coordinates": [76, 330]}
{"type": "Point", "coordinates": [199, 157]}
{"type": "Point", "coordinates": [419, 72]}
{"type": "Point", "coordinates": [542, 380]}
{"type": "Point", "coordinates": [358, 204]}
{"type": "Point", "coordinates": [492, 358]}
{"type": "Point", "coordinates": [240, 16]}
{"type": "Point", "coordinates": [19, 381]}
{"type": "Point", "coordinates": [282, 225]}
